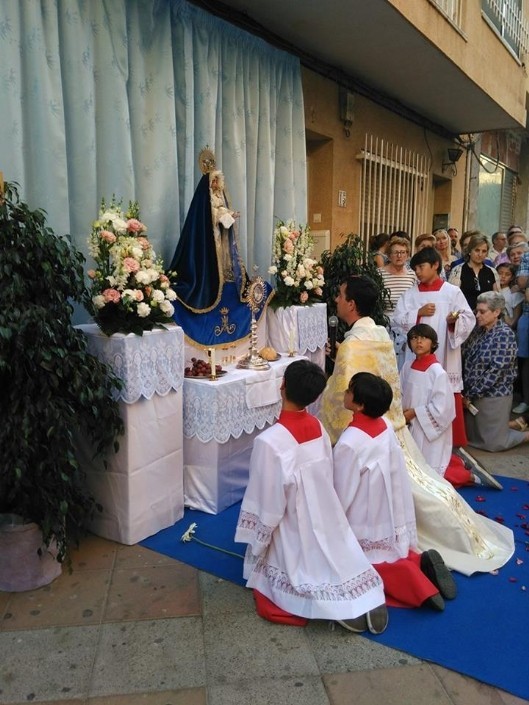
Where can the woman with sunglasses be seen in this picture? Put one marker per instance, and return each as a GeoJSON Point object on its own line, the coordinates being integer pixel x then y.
{"type": "Point", "coordinates": [473, 276]}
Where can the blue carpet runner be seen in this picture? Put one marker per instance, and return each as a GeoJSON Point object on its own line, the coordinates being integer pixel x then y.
{"type": "Point", "coordinates": [483, 633]}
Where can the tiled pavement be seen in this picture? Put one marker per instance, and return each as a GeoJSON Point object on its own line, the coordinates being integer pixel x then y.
{"type": "Point", "coordinates": [129, 626]}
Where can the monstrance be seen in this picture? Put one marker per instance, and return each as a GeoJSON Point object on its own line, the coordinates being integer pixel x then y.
{"type": "Point", "coordinates": [255, 296]}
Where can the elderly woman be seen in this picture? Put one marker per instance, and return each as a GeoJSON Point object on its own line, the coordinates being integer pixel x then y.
{"type": "Point", "coordinates": [489, 370]}
{"type": "Point", "coordinates": [473, 276]}
{"type": "Point", "coordinates": [397, 278]}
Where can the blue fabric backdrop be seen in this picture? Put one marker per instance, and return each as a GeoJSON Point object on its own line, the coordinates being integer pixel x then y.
{"type": "Point", "coordinates": [103, 97]}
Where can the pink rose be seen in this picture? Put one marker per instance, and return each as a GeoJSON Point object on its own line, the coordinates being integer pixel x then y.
{"type": "Point", "coordinates": [319, 269]}
{"type": "Point", "coordinates": [130, 264]}
{"type": "Point", "coordinates": [107, 236]}
{"type": "Point", "coordinates": [144, 243]}
{"type": "Point", "coordinates": [303, 297]}
{"type": "Point", "coordinates": [318, 291]}
{"type": "Point", "coordinates": [294, 235]}
{"type": "Point", "coordinates": [138, 294]}
{"type": "Point", "coordinates": [111, 296]}
{"type": "Point", "coordinates": [134, 226]}
{"type": "Point", "coordinates": [288, 247]}
{"type": "Point", "coordinates": [91, 273]}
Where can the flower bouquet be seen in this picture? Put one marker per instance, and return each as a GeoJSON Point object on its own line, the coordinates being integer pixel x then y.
{"type": "Point", "coordinates": [298, 278]}
{"type": "Point", "coordinates": [129, 291]}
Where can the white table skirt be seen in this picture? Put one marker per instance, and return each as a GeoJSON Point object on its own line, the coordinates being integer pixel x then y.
{"type": "Point", "coordinates": [221, 420]}
{"type": "Point", "coordinates": [141, 489]}
{"type": "Point", "coordinates": [305, 325]}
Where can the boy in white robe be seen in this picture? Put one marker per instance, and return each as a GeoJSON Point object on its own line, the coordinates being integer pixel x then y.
{"type": "Point", "coordinates": [302, 555]}
{"type": "Point", "coordinates": [429, 409]}
{"type": "Point", "coordinates": [442, 306]}
{"type": "Point", "coordinates": [372, 482]}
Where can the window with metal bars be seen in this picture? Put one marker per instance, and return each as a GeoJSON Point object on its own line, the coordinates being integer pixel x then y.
{"type": "Point", "coordinates": [393, 189]}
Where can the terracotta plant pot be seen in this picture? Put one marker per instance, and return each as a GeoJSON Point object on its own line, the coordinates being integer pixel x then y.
{"type": "Point", "coordinates": [22, 565]}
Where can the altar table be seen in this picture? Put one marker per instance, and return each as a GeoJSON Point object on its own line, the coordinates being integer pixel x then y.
{"type": "Point", "coordinates": [141, 489]}
{"type": "Point", "coordinates": [221, 420]}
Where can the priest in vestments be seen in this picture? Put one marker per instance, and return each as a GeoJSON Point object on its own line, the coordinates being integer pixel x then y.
{"type": "Point", "coordinates": [302, 557]}
{"type": "Point", "coordinates": [467, 541]}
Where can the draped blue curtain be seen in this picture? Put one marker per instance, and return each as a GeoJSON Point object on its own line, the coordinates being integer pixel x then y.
{"type": "Point", "coordinates": [103, 97]}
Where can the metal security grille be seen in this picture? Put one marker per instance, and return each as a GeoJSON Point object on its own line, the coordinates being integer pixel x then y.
{"type": "Point", "coordinates": [508, 19]}
{"type": "Point", "coordinates": [393, 189]}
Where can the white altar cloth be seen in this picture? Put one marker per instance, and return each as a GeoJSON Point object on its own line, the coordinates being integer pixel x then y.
{"type": "Point", "coordinates": [306, 326]}
{"type": "Point", "coordinates": [141, 489]}
{"type": "Point", "coordinates": [221, 419]}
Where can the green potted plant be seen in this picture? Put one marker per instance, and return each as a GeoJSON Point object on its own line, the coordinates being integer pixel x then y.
{"type": "Point", "coordinates": [52, 389]}
{"type": "Point", "coordinates": [350, 258]}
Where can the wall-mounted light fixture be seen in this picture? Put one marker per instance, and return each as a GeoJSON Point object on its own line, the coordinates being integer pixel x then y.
{"type": "Point", "coordinates": [454, 155]}
{"type": "Point", "coordinates": [346, 99]}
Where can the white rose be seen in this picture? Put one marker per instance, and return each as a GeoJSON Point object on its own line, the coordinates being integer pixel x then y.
{"type": "Point", "coordinates": [108, 216]}
{"type": "Point", "coordinates": [170, 295]}
{"type": "Point", "coordinates": [143, 310]}
{"type": "Point", "coordinates": [142, 277]}
{"type": "Point", "coordinates": [153, 275]}
{"type": "Point", "coordinates": [272, 270]}
{"type": "Point", "coordinates": [309, 284]}
{"type": "Point", "coordinates": [167, 308]}
{"type": "Point", "coordinates": [284, 231]}
{"type": "Point", "coordinates": [129, 294]}
{"type": "Point", "coordinates": [289, 281]}
{"type": "Point", "coordinates": [98, 301]}
{"type": "Point", "coordinates": [158, 295]}
{"type": "Point", "coordinates": [137, 253]}
{"type": "Point", "coordinates": [301, 270]}
{"type": "Point", "coordinates": [120, 226]}
{"type": "Point", "coordinates": [287, 258]}
{"type": "Point", "coordinates": [308, 263]}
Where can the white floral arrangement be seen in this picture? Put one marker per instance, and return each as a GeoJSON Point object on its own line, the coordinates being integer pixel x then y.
{"type": "Point", "coordinates": [129, 292]}
{"type": "Point", "coordinates": [299, 278]}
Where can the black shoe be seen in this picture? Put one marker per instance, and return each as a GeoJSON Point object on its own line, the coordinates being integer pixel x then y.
{"type": "Point", "coordinates": [433, 566]}
{"type": "Point", "coordinates": [435, 602]}
{"type": "Point", "coordinates": [377, 619]}
{"type": "Point", "coordinates": [478, 470]}
{"type": "Point", "coordinates": [356, 625]}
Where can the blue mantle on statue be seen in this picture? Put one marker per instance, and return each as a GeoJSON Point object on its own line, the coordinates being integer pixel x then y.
{"type": "Point", "coordinates": [229, 322]}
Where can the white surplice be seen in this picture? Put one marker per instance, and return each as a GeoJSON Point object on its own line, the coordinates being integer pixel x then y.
{"type": "Point", "coordinates": [371, 480]}
{"type": "Point", "coordinates": [302, 553]}
{"type": "Point", "coordinates": [447, 299]}
{"type": "Point", "coordinates": [429, 393]}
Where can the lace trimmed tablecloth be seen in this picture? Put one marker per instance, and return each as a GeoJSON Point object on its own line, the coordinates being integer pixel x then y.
{"type": "Point", "coordinates": [149, 364]}
{"type": "Point", "coordinates": [306, 324]}
{"type": "Point", "coordinates": [230, 406]}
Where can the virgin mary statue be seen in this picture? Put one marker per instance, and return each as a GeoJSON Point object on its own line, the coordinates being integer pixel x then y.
{"type": "Point", "coordinates": [210, 277]}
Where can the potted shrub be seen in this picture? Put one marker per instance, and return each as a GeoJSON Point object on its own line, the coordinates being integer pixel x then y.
{"type": "Point", "coordinates": [52, 389]}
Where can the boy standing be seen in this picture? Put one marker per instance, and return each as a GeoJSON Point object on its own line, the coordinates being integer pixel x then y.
{"type": "Point", "coordinates": [429, 409]}
{"type": "Point", "coordinates": [303, 559]}
{"type": "Point", "coordinates": [373, 485]}
{"type": "Point", "coordinates": [442, 306]}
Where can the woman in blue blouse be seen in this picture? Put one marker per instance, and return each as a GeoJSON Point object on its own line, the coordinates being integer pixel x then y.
{"type": "Point", "coordinates": [489, 370]}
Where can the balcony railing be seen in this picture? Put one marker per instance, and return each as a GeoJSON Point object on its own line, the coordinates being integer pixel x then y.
{"type": "Point", "coordinates": [507, 17]}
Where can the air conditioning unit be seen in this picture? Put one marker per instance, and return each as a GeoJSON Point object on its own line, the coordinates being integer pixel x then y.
{"type": "Point", "coordinates": [322, 241]}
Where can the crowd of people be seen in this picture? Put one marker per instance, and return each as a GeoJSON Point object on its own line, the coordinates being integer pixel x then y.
{"type": "Point", "coordinates": [475, 265]}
